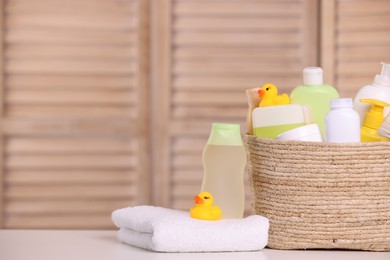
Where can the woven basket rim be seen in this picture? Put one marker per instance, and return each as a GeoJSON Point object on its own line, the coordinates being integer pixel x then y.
{"type": "Point", "coordinates": [318, 144]}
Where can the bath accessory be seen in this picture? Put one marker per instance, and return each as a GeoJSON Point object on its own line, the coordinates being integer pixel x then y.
{"type": "Point", "coordinates": [168, 230]}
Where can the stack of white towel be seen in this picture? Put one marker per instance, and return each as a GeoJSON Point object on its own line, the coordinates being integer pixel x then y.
{"type": "Point", "coordinates": [168, 230]}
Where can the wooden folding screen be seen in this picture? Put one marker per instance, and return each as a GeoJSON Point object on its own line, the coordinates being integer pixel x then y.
{"type": "Point", "coordinates": [208, 52]}
{"type": "Point", "coordinates": [355, 39]}
{"type": "Point", "coordinates": [75, 111]}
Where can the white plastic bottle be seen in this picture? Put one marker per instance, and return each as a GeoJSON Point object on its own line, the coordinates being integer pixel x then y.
{"type": "Point", "coordinates": [379, 90]}
{"type": "Point", "coordinates": [224, 161]}
{"type": "Point", "coordinates": [342, 123]}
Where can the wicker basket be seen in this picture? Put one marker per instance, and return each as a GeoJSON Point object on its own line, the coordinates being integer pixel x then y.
{"type": "Point", "coordinates": [322, 195]}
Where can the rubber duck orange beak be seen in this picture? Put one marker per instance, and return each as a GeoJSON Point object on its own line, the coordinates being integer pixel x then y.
{"type": "Point", "coordinates": [198, 200]}
{"type": "Point", "coordinates": [261, 92]}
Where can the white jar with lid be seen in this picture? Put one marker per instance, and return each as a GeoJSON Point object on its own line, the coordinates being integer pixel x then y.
{"type": "Point", "coordinates": [342, 123]}
{"type": "Point", "coordinates": [311, 133]}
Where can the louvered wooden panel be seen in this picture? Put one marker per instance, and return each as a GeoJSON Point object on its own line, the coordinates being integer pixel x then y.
{"type": "Point", "coordinates": [357, 37]}
{"type": "Point", "coordinates": [208, 53]}
{"type": "Point", "coordinates": [75, 112]}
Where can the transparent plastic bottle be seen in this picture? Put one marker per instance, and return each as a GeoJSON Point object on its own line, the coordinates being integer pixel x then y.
{"type": "Point", "coordinates": [379, 90]}
{"type": "Point", "coordinates": [342, 123]}
{"type": "Point", "coordinates": [224, 160]}
{"type": "Point", "coordinates": [316, 94]}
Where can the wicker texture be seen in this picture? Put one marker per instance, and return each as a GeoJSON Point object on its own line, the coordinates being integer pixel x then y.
{"type": "Point", "coordinates": [322, 195]}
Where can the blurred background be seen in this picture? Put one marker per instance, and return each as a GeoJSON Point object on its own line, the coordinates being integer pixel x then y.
{"type": "Point", "coordinates": [109, 103]}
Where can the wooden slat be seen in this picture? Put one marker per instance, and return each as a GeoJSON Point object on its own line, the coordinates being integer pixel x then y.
{"type": "Point", "coordinates": [71, 52]}
{"type": "Point", "coordinates": [60, 192]}
{"type": "Point", "coordinates": [242, 8]}
{"type": "Point", "coordinates": [366, 53]}
{"type": "Point", "coordinates": [309, 32]}
{"type": "Point", "coordinates": [56, 177]}
{"type": "Point", "coordinates": [20, 145]}
{"type": "Point", "coordinates": [70, 82]}
{"type": "Point", "coordinates": [144, 148]}
{"type": "Point", "coordinates": [61, 97]}
{"type": "Point", "coordinates": [85, 127]}
{"type": "Point", "coordinates": [69, 67]}
{"type": "Point", "coordinates": [71, 161]}
{"type": "Point", "coordinates": [2, 107]}
{"type": "Point", "coordinates": [381, 38]}
{"type": "Point", "coordinates": [232, 54]}
{"type": "Point", "coordinates": [219, 98]}
{"type": "Point", "coordinates": [70, 7]}
{"type": "Point", "coordinates": [187, 161]}
{"type": "Point", "coordinates": [363, 8]}
{"type": "Point", "coordinates": [328, 38]}
{"type": "Point", "coordinates": [73, 112]}
{"type": "Point", "coordinates": [162, 67]}
{"type": "Point", "coordinates": [371, 23]}
{"type": "Point", "coordinates": [96, 21]}
{"type": "Point", "coordinates": [47, 207]}
{"type": "Point", "coordinates": [236, 23]}
{"type": "Point", "coordinates": [286, 39]}
{"type": "Point", "coordinates": [183, 145]}
{"type": "Point", "coordinates": [67, 37]}
{"type": "Point", "coordinates": [358, 68]}
{"type": "Point", "coordinates": [182, 112]}
{"type": "Point", "coordinates": [197, 127]}
{"type": "Point", "coordinates": [244, 68]}
{"type": "Point", "coordinates": [232, 82]}
{"type": "Point", "coordinates": [187, 176]}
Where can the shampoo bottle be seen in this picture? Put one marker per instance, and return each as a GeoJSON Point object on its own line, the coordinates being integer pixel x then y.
{"type": "Point", "coordinates": [342, 123]}
{"type": "Point", "coordinates": [373, 120]}
{"type": "Point", "coordinates": [224, 161]}
{"type": "Point", "coordinates": [379, 90]}
{"type": "Point", "coordinates": [314, 93]}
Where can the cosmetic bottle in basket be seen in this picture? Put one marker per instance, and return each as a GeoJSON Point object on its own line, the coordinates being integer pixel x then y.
{"type": "Point", "coordinates": [342, 123]}
{"type": "Point", "coordinates": [224, 160]}
{"type": "Point", "coordinates": [314, 93]}
{"type": "Point", "coordinates": [379, 90]}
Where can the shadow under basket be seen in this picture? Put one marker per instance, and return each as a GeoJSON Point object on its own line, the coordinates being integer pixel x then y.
{"type": "Point", "coordinates": [322, 195]}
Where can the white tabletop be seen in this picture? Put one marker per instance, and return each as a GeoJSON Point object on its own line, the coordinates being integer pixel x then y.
{"type": "Point", "coordinates": [99, 245]}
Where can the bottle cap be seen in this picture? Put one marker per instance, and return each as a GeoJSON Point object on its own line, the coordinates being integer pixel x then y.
{"type": "Point", "coordinates": [313, 76]}
{"type": "Point", "coordinates": [341, 102]}
{"type": "Point", "coordinates": [225, 134]}
{"type": "Point", "coordinates": [374, 117]}
{"type": "Point", "coordinates": [384, 77]}
{"type": "Point", "coordinates": [303, 133]}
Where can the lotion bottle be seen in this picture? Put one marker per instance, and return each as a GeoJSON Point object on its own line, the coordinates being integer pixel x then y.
{"type": "Point", "coordinates": [314, 93]}
{"type": "Point", "coordinates": [224, 161]}
{"type": "Point", "coordinates": [373, 120]}
{"type": "Point", "coordinates": [379, 90]}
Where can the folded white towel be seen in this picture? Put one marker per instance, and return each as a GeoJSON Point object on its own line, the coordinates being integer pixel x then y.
{"type": "Point", "coordinates": [168, 230]}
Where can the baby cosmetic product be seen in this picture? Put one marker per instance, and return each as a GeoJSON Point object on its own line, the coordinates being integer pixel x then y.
{"type": "Point", "coordinates": [253, 99]}
{"type": "Point", "coordinates": [309, 133]}
{"type": "Point", "coordinates": [342, 123]}
{"type": "Point", "coordinates": [372, 121]}
{"type": "Point", "coordinates": [379, 90]}
{"type": "Point", "coordinates": [224, 161]}
{"type": "Point", "coordinates": [384, 130]}
{"type": "Point", "coordinates": [314, 93]}
{"type": "Point", "coordinates": [271, 121]}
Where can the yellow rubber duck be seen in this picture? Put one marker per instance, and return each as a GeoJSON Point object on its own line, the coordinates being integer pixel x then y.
{"type": "Point", "coordinates": [270, 97]}
{"type": "Point", "coordinates": [204, 208]}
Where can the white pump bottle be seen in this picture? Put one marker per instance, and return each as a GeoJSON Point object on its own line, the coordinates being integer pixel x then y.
{"type": "Point", "coordinates": [379, 90]}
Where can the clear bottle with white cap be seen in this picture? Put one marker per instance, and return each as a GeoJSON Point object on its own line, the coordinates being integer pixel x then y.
{"type": "Point", "coordinates": [379, 90]}
{"type": "Point", "coordinates": [342, 123]}
{"type": "Point", "coordinates": [316, 94]}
